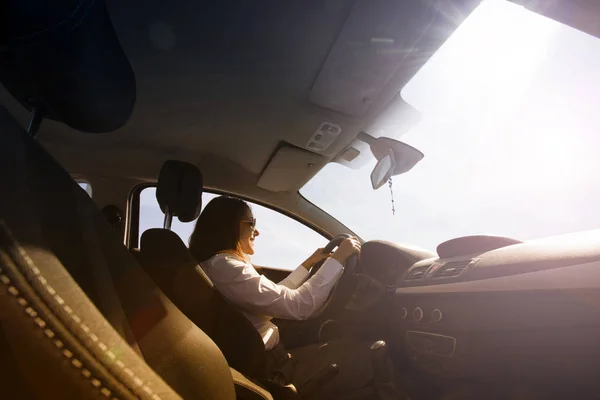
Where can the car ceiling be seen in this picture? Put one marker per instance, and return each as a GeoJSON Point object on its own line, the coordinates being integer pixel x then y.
{"type": "Point", "coordinates": [230, 82]}
{"type": "Point", "coordinates": [233, 78]}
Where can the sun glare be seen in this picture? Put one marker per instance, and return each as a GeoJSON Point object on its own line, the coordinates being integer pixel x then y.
{"type": "Point", "coordinates": [509, 130]}
{"type": "Point", "coordinates": [485, 59]}
{"type": "Point", "coordinates": [486, 75]}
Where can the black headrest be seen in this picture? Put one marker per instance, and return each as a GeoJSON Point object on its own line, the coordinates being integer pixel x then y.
{"type": "Point", "coordinates": [64, 57]}
{"type": "Point", "coordinates": [180, 189]}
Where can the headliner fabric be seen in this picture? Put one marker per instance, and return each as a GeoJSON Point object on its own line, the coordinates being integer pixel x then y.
{"type": "Point", "coordinates": [64, 57]}
{"type": "Point", "coordinates": [179, 189]}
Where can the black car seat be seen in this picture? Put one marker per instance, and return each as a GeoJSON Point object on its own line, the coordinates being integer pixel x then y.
{"type": "Point", "coordinates": [168, 261]}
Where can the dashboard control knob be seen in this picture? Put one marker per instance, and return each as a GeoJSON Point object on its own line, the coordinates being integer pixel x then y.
{"type": "Point", "coordinates": [436, 315]}
{"type": "Point", "coordinates": [403, 313]}
{"type": "Point", "coordinates": [417, 314]}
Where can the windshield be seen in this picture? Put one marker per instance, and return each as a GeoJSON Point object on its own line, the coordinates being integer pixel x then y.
{"type": "Point", "coordinates": [510, 130]}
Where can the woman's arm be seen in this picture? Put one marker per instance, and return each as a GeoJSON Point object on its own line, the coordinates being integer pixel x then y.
{"type": "Point", "coordinates": [292, 280]}
{"type": "Point", "coordinates": [299, 275]}
{"type": "Point", "coordinates": [295, 278]}
{"type": "Point", "coordinates": [239, 282]}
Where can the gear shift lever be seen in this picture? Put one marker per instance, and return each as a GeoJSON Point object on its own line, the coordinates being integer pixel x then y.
{"type": "Point", "coordinates": [384, 373]}
{"type": "Point", "coordinates": [379, 353]}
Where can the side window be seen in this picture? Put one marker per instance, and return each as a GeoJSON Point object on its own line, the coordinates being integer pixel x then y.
{"type": "Point", "coordinates": [86, 186]}
{"type": "Point", "coordinates": [283, 242]}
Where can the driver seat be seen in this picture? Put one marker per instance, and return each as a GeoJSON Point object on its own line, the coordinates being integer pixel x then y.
{"type": "Point", "coordinates": [168, 261]}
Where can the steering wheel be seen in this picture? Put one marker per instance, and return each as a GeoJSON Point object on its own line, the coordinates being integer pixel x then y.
{"type": "Point", "coordinates": [333, 243]}
{"type": "Point", "coordinates": [345, 285]}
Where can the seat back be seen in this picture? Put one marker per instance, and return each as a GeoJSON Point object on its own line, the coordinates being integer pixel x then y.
{"type": "Point", "coordinates": [76, 310]}
{"type": "Point", "coordinates": [54, 342]}
{"type": "Point", "coordinates": [172, 267]}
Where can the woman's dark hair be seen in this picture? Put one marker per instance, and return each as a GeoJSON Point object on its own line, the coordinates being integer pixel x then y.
{"type": "Point", "coordinates": [218, 227]}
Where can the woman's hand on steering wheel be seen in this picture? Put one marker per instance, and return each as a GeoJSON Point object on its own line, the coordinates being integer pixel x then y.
{"type": "Point", "coordinates": [346, 249]}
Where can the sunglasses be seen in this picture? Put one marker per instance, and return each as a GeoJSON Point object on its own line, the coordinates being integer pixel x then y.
{"type": "Point", "coordinates": [251, 222]}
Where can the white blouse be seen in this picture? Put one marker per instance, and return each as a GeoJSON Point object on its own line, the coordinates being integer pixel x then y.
{"type": "Point", "coordinates": [260, 299]}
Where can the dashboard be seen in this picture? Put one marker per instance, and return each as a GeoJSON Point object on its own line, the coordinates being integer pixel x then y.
{"type": "Point", "coordinates": [496, 309]}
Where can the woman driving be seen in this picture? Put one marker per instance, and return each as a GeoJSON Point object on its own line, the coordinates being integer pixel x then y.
{"type": "Point", "coordinates": [223, 241]}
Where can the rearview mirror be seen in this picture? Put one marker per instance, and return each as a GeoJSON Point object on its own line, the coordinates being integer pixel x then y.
{"type": "Point", "coordinates": [383, 170]}
{"type": "Point", "coordinates": [393, 158]}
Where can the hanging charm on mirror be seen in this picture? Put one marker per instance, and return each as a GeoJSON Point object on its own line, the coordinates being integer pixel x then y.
{"type": "Point", "coordinates": [392, 196]}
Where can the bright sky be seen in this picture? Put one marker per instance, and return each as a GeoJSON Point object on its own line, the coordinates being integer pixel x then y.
{"type": "Point", "coordinates": [510, 131]}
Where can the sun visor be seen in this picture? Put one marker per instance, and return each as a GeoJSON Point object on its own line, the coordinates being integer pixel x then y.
{"type": "Point", "coordinates": [63, 57]}
{"type": "Point", "coordinates": [289, 169]}
{"type": "Point", "coordinates": [377, 38]}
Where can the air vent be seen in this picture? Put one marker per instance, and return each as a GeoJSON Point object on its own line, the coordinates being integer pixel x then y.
{"type": "Point", "coordinates": [416, 273]}
{"type": "Point", "coordinates": [452, 269]}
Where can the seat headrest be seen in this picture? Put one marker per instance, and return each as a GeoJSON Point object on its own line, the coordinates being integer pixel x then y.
{"type": "Point", "coordinates": [64, 58]}
{"type": "Point", "coordinates": [180, 190]}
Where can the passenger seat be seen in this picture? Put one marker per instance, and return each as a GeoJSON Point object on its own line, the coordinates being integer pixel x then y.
{"type": "Point", "coordinates": [77, 313]}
